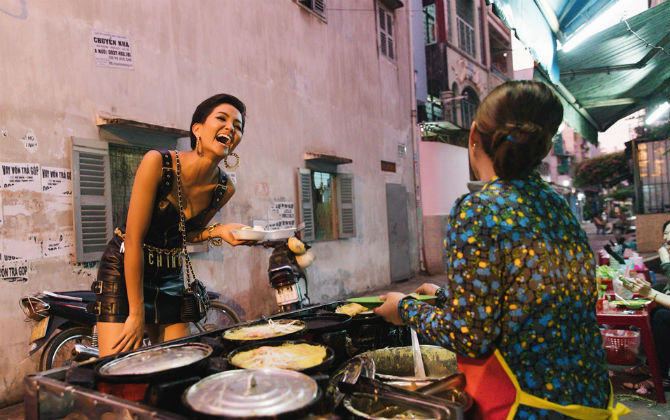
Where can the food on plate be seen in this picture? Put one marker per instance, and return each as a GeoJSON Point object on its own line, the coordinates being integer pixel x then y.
{"type": "Point", "coordinates": [287, 356]}
{"type": "Point", "coordinates": [257, 228]}
{"type": "Point", "coordinates": [351, 309]}
{"type": "Point", "coordinates": [305, 260]}
{"type": "Point", "coordinates": [264, 330]}
{"type": "Point", "coordinates": [296, 245]}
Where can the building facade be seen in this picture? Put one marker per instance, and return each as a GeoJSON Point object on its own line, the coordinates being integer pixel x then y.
{"type": "Point", "coordinates": [570, 148]}
{"type": "Point", "coordinates": [465, 52]}
{"type": "Point", "coordinates": [89, 86]}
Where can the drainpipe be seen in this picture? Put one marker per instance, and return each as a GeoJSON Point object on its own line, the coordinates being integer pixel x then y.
{"type": "Point", "coordinates": [416, 135]}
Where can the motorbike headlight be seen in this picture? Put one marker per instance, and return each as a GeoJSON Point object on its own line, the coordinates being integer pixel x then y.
{"type": "Point", "coordinates": [34, 307]}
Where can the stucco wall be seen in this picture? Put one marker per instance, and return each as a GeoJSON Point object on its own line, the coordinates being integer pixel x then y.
{"type": "Point", "coordinates": [444, 176]}
{"type": "Point", "coordinates": [310, 86]}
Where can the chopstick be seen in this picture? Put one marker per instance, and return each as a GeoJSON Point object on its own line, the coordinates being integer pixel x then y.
{"type": "Point", "coordinates": [626, 301]}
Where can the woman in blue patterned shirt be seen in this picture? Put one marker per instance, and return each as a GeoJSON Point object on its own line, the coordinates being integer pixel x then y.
{"type": "Point", "coordinates": [519, 304]}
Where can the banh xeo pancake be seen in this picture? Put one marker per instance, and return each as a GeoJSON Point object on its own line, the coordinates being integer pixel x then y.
{"type": "Point", "coordinates": [264, 330]}
{"type": "Point", "coordinates": [287, 356]}
{"type": "Point", "coordinates": [351, 309]}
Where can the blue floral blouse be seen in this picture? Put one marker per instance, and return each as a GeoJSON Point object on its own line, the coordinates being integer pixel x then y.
{"type": "Point", "coordinates": [521, 278]}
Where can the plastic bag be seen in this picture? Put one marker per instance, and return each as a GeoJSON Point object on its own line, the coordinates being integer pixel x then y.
{"type": "Point", "coordinates": [620, 290]}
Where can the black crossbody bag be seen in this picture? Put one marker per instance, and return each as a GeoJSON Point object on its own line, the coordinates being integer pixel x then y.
{"type": "Point", "coordinates": [195, 301]}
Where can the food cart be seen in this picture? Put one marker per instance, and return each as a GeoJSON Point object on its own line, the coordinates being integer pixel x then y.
{"type": "Point", "coordinates": [86, 391]}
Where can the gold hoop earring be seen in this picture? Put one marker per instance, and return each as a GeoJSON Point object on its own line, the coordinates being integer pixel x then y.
{"type": "Point", "coordinates": [198, 147]}
{"type": "Point", "coordinates": [237, 161]}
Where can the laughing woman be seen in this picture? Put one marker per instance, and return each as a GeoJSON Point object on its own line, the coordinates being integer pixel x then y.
{"type": "Point", "coordinates": [139, 285]}
{"type": "Point", "coordinates": [519, 304]}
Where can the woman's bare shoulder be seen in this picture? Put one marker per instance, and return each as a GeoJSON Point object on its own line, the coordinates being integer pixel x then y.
{"type": "Point", "coordinates": [150, 166]}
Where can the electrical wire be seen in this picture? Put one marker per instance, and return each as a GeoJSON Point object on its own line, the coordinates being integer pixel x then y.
{"type": "Point", "coordinates": [644, 40]}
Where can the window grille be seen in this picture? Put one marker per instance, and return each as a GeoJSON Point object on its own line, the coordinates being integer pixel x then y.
{"type": "Point", "coordinates": [429, 26]}
{"type": "Point", "coordinates": [317, 6]}
{"type": "Point", "coordinates": [326, 205]}
{"type": "Point", "coordinates": [386, 42]}
{"type": "Point", "coordinates": [653, 192]}
{"type": "Point", "coordinates": [123, 163]}
{"type": "Point", "coordinates": [468, 110]}
{"type": "Point", "coordinates": [466, 37]}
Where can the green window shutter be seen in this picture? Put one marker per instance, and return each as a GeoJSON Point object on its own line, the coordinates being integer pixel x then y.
{"type": "Point", "coordinates": [319, 6]}
{"type": "Point", "coordinates": [306, 203]}
{"type": "Point", "coordinates": [346, 205]}
{"type": "Point", "coordinates": [92, 198]}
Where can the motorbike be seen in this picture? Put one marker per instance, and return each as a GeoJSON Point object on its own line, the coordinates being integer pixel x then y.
{"type": "Point", "coordinates": [287, 278]}
{"type": "Point", "coordinates": [65, 331]}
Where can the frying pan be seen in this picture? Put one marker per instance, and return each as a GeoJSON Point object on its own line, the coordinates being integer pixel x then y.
{"type": "Point", "coordinates": [292, 335]}
{"type": "Point", "coordinates": [325, 365]}
{"type": "Point", "coordinates": [144, 366]}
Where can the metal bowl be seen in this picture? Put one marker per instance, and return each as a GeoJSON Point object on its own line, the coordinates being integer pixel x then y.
{"type": "Point", "coordinates": [397, 363]}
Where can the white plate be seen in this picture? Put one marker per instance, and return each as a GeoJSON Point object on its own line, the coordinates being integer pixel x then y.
{"type": "Point", "coordinates": [249, 235]}
{"type": "Point", "coordinates": [274, 235]}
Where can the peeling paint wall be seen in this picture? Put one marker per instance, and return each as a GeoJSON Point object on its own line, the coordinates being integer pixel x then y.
{"type": "Point", "coordinates": [309, 85]}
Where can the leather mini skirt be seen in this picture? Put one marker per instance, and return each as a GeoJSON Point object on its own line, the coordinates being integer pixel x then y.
{"type": "Point", "coordinates": [163, 286]}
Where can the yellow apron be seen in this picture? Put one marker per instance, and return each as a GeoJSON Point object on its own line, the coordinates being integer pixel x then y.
{"type": "Point", "coordinates": [494, 373]}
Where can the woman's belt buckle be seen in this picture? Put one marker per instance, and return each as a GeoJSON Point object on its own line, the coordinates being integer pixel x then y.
{"type": "Point", "coordinates": [93, 308]}
{"type": "Point", "coordinates": [97, 287]}
{"type": "Point", "coordinates": [101, 287]}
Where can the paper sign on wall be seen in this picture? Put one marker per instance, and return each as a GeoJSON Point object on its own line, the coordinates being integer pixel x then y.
{"type": "Point", "coordinates": [281, 215]}
{"type": "Point", "coordinates": [21, 176]}
{"type": "Point", "coordinates": [15, 272]}
{"type": "Point", "coordinates": [30, 141]}
{"type": "Point", "coordinates": [56, 181]}
{"type": "Point", "coordinates": [112, 50]}
{"type": "Point", "coordinates": [61, 244]}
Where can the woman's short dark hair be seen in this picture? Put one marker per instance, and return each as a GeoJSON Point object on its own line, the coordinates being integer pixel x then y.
{"type": "Point", "coordinates": [517, 121]}
{"type": "Point", "coordinates": [665, 225]}
{"type": "Point", "coordinates": [206, 107]}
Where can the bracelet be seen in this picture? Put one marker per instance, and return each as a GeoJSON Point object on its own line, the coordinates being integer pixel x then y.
{"type": "Point", "coordinates": [211, 239]}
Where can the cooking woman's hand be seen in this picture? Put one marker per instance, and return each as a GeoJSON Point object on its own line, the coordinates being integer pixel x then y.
{"type": "Point", "coordinates": [427, 289]}
{"type": "Point", "coordinates": [389, 309]}
{"type": "Point", "coordinates": [131, 335]}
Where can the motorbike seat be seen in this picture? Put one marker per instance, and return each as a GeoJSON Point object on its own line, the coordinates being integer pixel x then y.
{"type": "Point", "coordinates": [85, 296]}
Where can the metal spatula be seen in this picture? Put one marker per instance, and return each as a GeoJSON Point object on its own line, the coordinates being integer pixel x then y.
{"type": "Point", "coordinates": [419, 370]}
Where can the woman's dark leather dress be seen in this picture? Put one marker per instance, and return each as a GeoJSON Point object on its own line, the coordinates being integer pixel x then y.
{"type": "Point", "coordinates": [163, 281]}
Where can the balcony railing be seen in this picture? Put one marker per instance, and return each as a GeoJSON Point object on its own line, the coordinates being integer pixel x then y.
{"type": "Point", "coordinates": [466, 37]}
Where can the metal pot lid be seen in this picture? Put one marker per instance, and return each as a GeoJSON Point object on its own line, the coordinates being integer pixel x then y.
{"type": "Point", "coordinates": [155, 360]}
{"type": "Point", "coordinates": [252, 393]}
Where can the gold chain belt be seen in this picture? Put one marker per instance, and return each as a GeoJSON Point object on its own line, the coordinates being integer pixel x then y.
{"type": "Point", "coordinates": [156, 256]}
